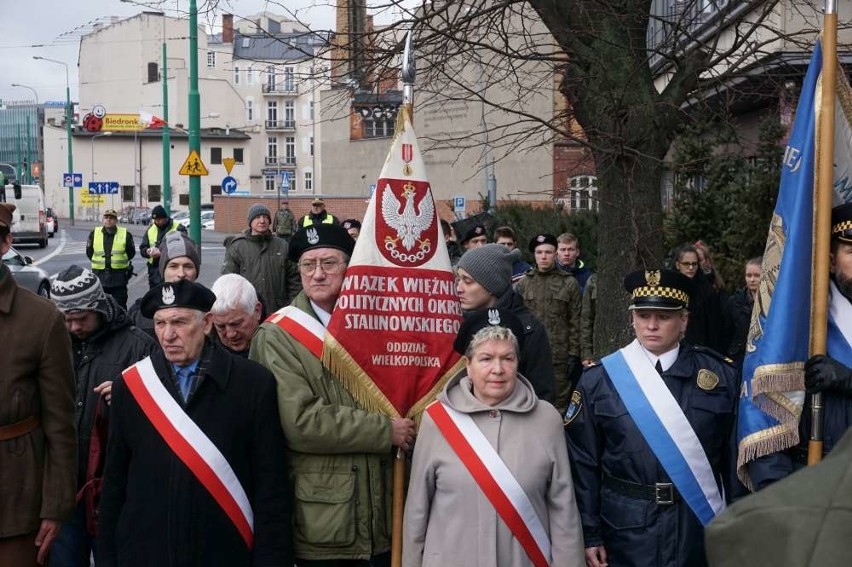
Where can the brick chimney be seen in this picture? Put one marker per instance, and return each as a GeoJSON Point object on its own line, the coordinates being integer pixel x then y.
{"type": "Point", "coordinates": [227, 28]}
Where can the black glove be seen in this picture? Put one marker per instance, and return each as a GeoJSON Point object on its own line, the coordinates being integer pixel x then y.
{"type": "Point", "coordinates": [824, 373]}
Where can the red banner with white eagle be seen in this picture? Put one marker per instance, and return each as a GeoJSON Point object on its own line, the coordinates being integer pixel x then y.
{"type": "Point", "coordinates": [391, 333]}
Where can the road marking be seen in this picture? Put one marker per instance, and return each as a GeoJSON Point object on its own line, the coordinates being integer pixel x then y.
{"type": "Point", "coordinates": [55, 252]}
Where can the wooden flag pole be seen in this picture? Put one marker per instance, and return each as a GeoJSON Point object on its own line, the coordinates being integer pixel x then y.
{"type": "Point", "coordinates": [408, 75]}
{"type": "Point", "coordinates": [822, 218]}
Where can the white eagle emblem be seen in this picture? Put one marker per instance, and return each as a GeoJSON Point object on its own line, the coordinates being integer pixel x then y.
{"type": "Point", "coordinates": [407, 224]}
{"type": "Point", "coordinates": [168, 295]}
{"type": "Point", "coordinates": [312, 235]}
{"type": "Point", "coordinates": [493, 317]}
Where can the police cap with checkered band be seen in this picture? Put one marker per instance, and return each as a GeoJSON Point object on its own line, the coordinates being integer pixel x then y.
{"type": "Point", "coordinates": [658, 289]}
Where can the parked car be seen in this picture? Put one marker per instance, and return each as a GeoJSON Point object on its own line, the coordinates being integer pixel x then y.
{"type": "Point", "coordinates": [52, 222]}
{"type": "Point", "coordinates": [182, 217]}
{"type": "Point", "coordinates": [208, 223]}
{"type": "Point", "coordinates": [142, 216]}
{"type": "Point", "coordinates": [28, 276]}
{"type": "Point", "coordinates": [205, 217]}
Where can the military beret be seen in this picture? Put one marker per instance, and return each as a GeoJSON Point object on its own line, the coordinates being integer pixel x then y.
{"type": "Point", "coordinates": [841, 223]}
{"type": "Point", "coordinates": [658, 289]}
{"type": "Point", "coordinates": [6, 210]}
{"type": "Point", "coordinates": [539, 239]}
{"type": "Point", "coordinates": [475, 321]}
{"type": "Point", "coordinates": [183, 293]}
{"type": "Point", "coordinates": [320, 236]}
{"type": "Point", "coordinates": [350, 223]}
{"type": "Point", "coordinates": [473, 232]}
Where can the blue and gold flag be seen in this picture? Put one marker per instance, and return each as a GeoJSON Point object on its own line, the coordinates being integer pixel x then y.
{"type": "Point", "coordinates": [772, 398]}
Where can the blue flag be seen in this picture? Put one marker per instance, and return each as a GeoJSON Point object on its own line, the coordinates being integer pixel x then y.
{"type": "Point", "coordinates": [777, 348]}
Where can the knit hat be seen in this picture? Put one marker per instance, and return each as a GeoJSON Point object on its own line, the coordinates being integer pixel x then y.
{"type": "Point", "coordinates": [490, 266]}
{"type": "Point", "coordinates": [175, 245]}
{"type": "Point", "coordinates": [159, 212]}
{"type": "Point", "coordinates": [257, 210]}
{"type": "Point", "coordinates": [78, 289]}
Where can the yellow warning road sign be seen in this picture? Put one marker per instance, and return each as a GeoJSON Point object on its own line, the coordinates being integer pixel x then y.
{"type": "Point", "coordinates": [193, 165]}
{"type": "Point", "coordinates": [228, 162]}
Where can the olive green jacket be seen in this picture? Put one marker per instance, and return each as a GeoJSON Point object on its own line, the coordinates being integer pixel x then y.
{"type": "Point", "coordinates": [554, 298]}
{"type": "Point", "coordinates": [339, 454]}
{"type": "Point", "coordinates": [802, 521]}
{"type": "Point", "coordinates": [262, 260]}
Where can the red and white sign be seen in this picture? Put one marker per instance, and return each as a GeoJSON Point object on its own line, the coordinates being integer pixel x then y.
{"type": "Point", "coordinates": [391, 333]}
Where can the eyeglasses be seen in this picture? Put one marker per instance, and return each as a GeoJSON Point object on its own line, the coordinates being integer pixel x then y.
{"type": "Point", "coordinates": [328, 266]}
{"type": "Point", "coordinates": [689, 264]}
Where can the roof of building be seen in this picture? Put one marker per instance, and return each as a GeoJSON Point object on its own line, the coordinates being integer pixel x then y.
{"type": "Point", "coordinates": [284, 46]}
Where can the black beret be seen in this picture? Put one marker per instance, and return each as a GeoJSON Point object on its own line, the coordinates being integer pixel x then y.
{"type": "Point", "coordinates": [542, 239]}
{"type": "Point", "coordinates": [350, 223]}
{"type": "Point", "coordinates": [841, 223]}
{"type": "Point", "coordinates": [320, 236]}
{"type": "Point", "coordinates": [658, 289]}
{"type": "Point", "coordinates": [475, 321]}
{"type": "Point", "coordinates": [473, 232]}
{"type": "Point", "coordinates": [182, 293]}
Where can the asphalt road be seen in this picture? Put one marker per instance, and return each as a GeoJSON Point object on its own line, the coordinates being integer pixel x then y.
{"type": "Point", "coordinates": [68, 247]}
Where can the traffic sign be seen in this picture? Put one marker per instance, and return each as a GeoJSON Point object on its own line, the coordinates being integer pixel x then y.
{"type": "Point", "coordinates": [229, 184]}
{"type": "Point", "coordinates": [86, 199]}
{"type": "Point", "coordinates": [72, 179]}
{"type": "Point", "coordinates": [103, 187]}
{"type": "Point", "coordinates": [193, 166]}
{"type": "Point", "coordinates": [228, 162]}
{"type": "Point", "coordinates": [458, 204]}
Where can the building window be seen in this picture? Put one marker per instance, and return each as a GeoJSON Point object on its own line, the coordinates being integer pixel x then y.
{"type": "Point", "coordinates": [290, 150]}
{"type": "Point", "coordinates": [216, 156]}
{"type": "Point", "coordinates": [584, 192]}
{"type": "Point", "coordinates": [311, 115]}
{"type": "Point", "coordinates": [215, 190]}
{"type": "Point", "coordinates": [236, 75]}
{"type": "Point", "coordinates": [289, 114]}
{"type": "Point", "coordinates": [378, 128]}
{"type": "Point", "coordinates": [211, 59]}
{"type": "Point", "coordinates": [270, 78]}
{"type": "Point", "coordinates": [127, 192]}
{"type": "Point", "coordinates": [312, 146]}
{"type": "Point", "coordinates": [153, 73]}
{"type": "Point", "coordinates": [272, 114]}
{"type": "Point", "coordinates": [289, 84]}
{"type": "Point", "coordinates": [269, 184]}
{"type": "Point", "coordinates": [183, 199]}
{"type": "Point", "coordinates": [309, 182]}
{"type": "Point", "coordinates": [249, 109]}
{"type": "Point", "coordinates": [238, 155]}
{"type": "Point", "coordinates": [246, 42]}
{"type": "Point", "coordinates": [154, 193]}
{"type": "Point", "coordinates": [249, 76]}
{"type": "Point", "coordinates": [272, 147]}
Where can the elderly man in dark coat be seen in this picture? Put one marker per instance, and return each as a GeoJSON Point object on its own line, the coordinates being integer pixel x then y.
{"type": "Point", "coordinates": [38, 447]}
{"type": "Point", "coordinates": [196, 473]}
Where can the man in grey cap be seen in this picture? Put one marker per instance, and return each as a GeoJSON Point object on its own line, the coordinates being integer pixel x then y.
{"type": "Point", "coordinates": [104, 341]}
{"type": "Point", "coordinates": [110, 248]}
{"type": "Point", "coordinates": [485, 280]}
{"type": "Point", "coordinates": [260, 257]}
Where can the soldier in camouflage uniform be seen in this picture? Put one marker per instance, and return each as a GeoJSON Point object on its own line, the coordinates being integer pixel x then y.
{"type": "Point", "coordinates": [553, 296]}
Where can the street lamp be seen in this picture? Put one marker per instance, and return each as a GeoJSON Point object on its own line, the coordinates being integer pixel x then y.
{"type": "Point", "coordinates": [27, 87]}
{"type": "Point", "coordinates": [68, 127]}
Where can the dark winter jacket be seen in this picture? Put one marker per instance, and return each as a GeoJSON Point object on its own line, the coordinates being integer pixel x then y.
{"type": "Point", "coordinates": [579, 271]}
{"type": "Point", "coordinates": [739, 308]}
{"type": "Point", "coordinates": [101, 358]}
{"type": "Point", "coordinates": [535, 363]}
{"type": "Point", "coordinates": [262, 260]}
{"type": "Point", "coordinates": [709, 322]}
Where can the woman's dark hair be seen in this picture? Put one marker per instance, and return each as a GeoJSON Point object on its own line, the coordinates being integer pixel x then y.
{"type": "Point", "coordinates": [686, 248]}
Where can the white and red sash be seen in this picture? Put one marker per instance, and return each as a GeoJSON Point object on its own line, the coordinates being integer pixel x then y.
{"type": "Point", "coordinates": [191, 445]}
{"type": "Point", "coordinates": [494, 479]}
{"type": "Point", "coordinates": [305, 329]}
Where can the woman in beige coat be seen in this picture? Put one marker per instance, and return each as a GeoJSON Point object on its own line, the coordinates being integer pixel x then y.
{"type": "Point", "coordinates": [448, 518]}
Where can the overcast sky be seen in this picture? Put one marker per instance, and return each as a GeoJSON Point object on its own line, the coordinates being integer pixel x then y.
{"type": "Point", "coordinates": [58, 24]}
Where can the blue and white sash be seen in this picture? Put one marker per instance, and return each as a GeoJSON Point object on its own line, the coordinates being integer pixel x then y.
{"type": "Point", "coordinates": [839, 340]}
{"type": "Point", "coordinates": [665, 428]}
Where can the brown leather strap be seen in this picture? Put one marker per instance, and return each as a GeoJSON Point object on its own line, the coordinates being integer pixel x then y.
{"type": "Point", "coordinates": [19, 428]}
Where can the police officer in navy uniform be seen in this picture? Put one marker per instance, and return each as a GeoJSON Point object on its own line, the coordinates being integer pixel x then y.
{"type": "Point", "coordinates": [632, 512]}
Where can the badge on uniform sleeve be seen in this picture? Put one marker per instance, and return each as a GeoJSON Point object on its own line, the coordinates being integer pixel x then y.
{"type": "Point", "coordinates": [707, 380]}
{"type": "Point", "coordinates": [573, 408]}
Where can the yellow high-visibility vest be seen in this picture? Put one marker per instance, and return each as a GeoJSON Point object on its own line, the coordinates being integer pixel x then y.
{"type": "Point", "coordinates": [308, 221]}
{"type": "Point", "coordinates": [118, 258]}
{"type": "Point", "coordinates": [152, 235]}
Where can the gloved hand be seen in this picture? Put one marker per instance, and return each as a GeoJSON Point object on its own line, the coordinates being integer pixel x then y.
{"type": "Point", "coordinates": [824, 373]}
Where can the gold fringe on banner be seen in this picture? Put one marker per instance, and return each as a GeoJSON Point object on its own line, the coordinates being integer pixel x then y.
{"type": "Point", "coordinates": [764, 442]}
{"type": "Point", "coordinates": [781, 377]}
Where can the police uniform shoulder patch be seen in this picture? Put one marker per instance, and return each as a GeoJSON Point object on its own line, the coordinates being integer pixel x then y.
{"type": "Point", "coordinates": [707, 379]}
{"type": "Point", "coordinates": [713, 353]}
{"type": "Point", "coordinates": [574, 408]}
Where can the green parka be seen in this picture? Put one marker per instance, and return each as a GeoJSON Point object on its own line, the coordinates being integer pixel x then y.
{"type": "Point", "coordinates": [339, 454]}
{"type": "Point", "coordinates": [262, 260]}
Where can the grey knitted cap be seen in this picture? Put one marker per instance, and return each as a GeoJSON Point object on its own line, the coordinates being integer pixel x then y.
{"type": "Point", "coordinates": [175, 245]}
{"type": "Point", "coordinates": [490, 266]}
{"type": "Point", "coordinates": [256, 210]}
{"type": "Point", "coordinates": [78, 289]}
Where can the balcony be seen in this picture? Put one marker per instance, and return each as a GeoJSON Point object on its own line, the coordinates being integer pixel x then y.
{"type": "Point", "coordinates": [281, 125]}
{"type": "Point", "coordinates": [283, 161]}
{"type": "Point", "coordinates": [284, 89]}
